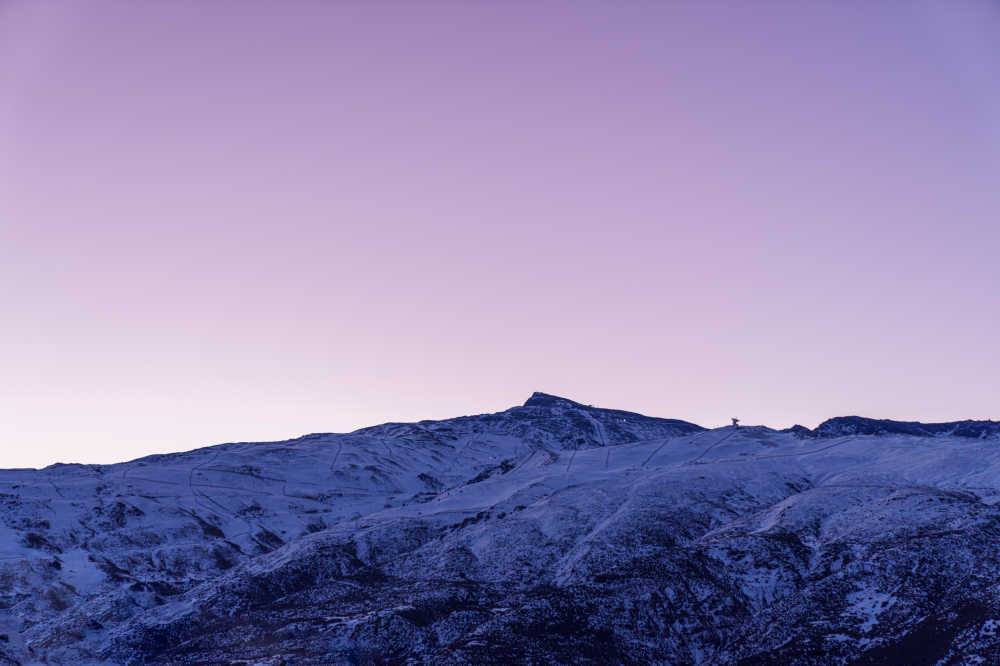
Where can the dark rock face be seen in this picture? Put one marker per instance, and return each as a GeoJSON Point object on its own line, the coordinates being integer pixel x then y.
{"type": "Point", "coordinates": [856, 425]}
{"type": "Point", "coordinates": [799, 431]}
{"type": "Point", "coordinates": [551, 533]}
{"type": "Point", "coordinates": [539, 399]}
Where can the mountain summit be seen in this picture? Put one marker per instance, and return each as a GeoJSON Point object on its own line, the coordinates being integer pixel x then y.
{"type": "Point", "coordinates": [539, 399]}
{"type": "Point", "coordinates": [552, 532]}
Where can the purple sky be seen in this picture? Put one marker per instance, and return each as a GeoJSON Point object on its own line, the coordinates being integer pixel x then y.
{"type": "Point", "coordinates": [234, 220]}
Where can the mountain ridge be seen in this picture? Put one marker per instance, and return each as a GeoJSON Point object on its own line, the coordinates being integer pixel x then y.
{"type": "Point", "coordinates": [832, 427]}
{"type": "Point", "coordinates": [549, 532]}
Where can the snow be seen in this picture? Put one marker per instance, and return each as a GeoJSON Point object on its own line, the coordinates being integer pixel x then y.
{"type": "Point", "coordinates": [682, 534]}
{"type": "Point", "coordinates": [867, 606]}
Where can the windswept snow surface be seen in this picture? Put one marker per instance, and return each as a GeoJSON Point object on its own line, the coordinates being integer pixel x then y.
{"type": "Point", "coordinates": [549, 533]}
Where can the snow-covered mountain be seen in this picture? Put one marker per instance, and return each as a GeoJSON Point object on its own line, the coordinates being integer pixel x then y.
{"type": "Point", "coordinates": [552, 532]}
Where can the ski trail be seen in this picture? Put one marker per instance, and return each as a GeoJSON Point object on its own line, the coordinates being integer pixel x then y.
{"type": "Point", "coordinates": [653, 454]}
{"type": "Point", "coordinates": [801, 454]}
{"type": "Point", "coordinates": [806, 453]}
{"type": "Point", "coordinates": [599, 429]}
{"type": "Point", "coordinates": [461, 452]}
{"type": "Point", "coordinates": [713, 445]}
{"type": "Point", "coordinates": [199, 496]}
{"type": "Point", "coordinates": [336, 455]}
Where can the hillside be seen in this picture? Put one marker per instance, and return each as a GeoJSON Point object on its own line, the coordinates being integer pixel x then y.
{"type": "Point", "coordinates": [552, 532]}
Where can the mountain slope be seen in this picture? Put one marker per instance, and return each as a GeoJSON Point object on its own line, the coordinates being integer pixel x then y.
{"type": "Point", "coordinates": [552, 532]}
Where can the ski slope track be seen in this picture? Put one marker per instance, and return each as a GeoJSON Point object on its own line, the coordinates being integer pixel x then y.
{"type": "Point", "coordinates": [550, 533]}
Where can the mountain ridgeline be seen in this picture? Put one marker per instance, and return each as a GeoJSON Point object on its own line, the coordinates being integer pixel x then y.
{"type": "Point", "coordinates": [552, 532]}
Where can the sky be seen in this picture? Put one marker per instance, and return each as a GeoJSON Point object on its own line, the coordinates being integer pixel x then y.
{"type": "Point", "coordinates": [232, 221]}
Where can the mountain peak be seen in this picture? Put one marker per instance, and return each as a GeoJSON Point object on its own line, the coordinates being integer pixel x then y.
{"type": "Point", "coordinates": [539, 399]}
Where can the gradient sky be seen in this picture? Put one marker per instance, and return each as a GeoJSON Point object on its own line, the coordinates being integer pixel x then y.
{"type": "Point", "coordinates": [226, 221]}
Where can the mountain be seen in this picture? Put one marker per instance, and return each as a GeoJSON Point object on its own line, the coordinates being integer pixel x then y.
{"type": "Point", "coordinates": [552, 532]}
{"type": "Point", "coordinates": [856, 425]}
